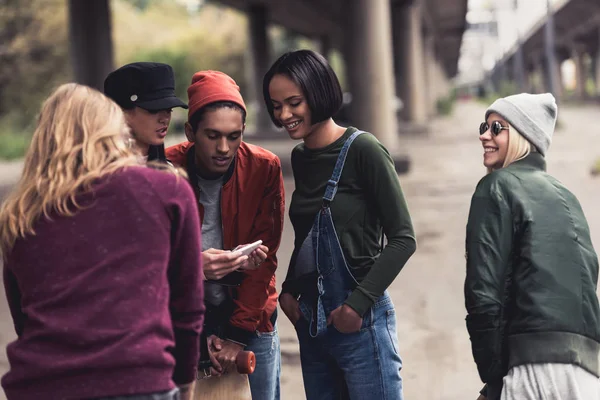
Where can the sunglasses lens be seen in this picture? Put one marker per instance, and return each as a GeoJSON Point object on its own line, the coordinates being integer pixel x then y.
{"type": "Point", "coordinates": [483, 127]}
{"type": "Point", "coordinates": [496, 128]}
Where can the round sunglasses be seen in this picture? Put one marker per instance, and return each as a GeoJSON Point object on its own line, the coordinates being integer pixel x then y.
{"type": "Point", "coordinates": [496, 128]}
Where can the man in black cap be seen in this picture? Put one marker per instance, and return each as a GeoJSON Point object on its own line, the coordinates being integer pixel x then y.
{"type": "Point", "coordinates": [146, 93]}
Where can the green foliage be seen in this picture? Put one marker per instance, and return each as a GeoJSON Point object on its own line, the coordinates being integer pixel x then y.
{"type": "Point", "coordinates": [213, 38]}
{"type": "Point", "coordinates": [14, 139]}
{"type": "Point", "coordinates": [506, 88]}
{"type": "Point", "coordinates": [139, 4]}
{"type": "Point", "coordinates": [596, 168]}
{"type": "Point", "coordinates": [445, 105]}
{"type": "Point", "coordinates": [590, 87]}
{"type": "Point", "coordinates": [13, 146]}
{"type": "Point", "coordinates": [33, 55]}
{"type": "Point", "coordinates": [34, 51]}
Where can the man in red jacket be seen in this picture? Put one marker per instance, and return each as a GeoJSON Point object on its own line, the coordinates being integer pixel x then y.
{"type": "Point", "coordinates": [240, 195]}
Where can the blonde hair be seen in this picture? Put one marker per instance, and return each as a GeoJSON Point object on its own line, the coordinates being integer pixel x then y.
{"type": "Point", "coordinates": [518, 148]}
{"type": "Point", "coordinates": [81, 136]}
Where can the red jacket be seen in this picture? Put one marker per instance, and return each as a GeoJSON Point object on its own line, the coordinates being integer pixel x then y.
{"type": "Point", "coordinates": [252, 208]}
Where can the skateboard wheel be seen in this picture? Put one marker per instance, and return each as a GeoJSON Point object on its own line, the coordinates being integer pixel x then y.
{"type": "Point", "coordinates": [245, 362]}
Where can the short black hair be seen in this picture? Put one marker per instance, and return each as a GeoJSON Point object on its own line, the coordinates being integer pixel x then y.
{"type": "Point", "coordinates": [319, 83]}
{"type": "Point", "coordinates": [196, 118]}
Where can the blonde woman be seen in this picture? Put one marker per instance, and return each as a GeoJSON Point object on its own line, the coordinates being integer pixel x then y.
{"type": "Point", "coordinates": [102, 263]}
{"type": "Point", "coordinates": [530, 290]}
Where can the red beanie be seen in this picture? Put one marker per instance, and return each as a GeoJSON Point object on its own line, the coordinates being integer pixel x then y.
{"type": "Point", "coordinates": [212, 86]}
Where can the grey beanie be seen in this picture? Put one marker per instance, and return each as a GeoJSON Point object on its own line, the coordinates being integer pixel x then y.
{"type": "Point", "coordinates": [532, 115]}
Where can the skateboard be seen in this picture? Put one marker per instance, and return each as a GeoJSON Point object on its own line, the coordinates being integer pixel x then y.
{"type": "Point", "coordinates": [233, 385]}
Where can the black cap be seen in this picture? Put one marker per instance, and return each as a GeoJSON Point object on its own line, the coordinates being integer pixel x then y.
{"type": "Point", "coordinates": [148, 85]}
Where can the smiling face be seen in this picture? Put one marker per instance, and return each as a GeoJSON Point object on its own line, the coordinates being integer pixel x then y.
{"type": "Point", "coordinates": [495, 146]}
{"type": "Point", "coordinates": [148, 127]}
{"type": "Point", "coordinates": [290, 108]}
{"type": "Point", "coordinates": [217, 138]}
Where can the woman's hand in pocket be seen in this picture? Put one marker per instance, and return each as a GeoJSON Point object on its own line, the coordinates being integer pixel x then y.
{"type": "Point", "coordinates": [345, 319]}
{"type": "Point", "coordinates": [290, 307]}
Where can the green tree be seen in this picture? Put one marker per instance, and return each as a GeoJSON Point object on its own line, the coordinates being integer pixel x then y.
{"type": "Point", "coordinates": [214, 37]}
{"type": "Point", "coordinates": [33, 54]}
{"type": "Point", "coordinates": [139, 4]}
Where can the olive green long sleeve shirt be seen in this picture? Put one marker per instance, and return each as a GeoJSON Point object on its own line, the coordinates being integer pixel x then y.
{"type": "Point", "coordinates": [369, 201]}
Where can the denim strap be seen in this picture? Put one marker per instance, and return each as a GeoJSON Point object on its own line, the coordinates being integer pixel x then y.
{"type": "Point", "coordinates": [332, 184]}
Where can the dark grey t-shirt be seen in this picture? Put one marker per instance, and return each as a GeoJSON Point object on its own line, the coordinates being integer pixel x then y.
{"type": "Point", "coordinates": [212, 230]}
{"type": "Point", "coordinates": [210, 198]}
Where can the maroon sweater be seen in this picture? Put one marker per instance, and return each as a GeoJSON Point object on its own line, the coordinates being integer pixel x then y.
{"type": "Point", "coordinates": [108, 302]}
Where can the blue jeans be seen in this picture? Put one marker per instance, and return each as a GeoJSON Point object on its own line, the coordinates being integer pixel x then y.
{"type": "Point", "coordinates": [264, 382]}
{"type": "Point", "coordinates": [361, 365]}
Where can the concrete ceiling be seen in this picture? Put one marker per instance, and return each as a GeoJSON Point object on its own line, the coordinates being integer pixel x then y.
{"type": "Point", "coordinates": [576, 22]}
{"type": "Point", "coordinates": [320, 18]}
{"type": "Point", "coordinates": [448, 21]}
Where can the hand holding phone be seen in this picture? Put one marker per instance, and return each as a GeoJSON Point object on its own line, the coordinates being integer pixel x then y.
{"type": "Point", "coordinates": [219, 263]}
{"type": "Point", "coordinates": [256, 253]}
{"type": "Point", "coordinates": [246, 249]}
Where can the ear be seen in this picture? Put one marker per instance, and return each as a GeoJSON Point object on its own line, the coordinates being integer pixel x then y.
{"type": "Point", "coordinates": [243, 129]}
{"type": "Point", "coordinates": [189, 133]}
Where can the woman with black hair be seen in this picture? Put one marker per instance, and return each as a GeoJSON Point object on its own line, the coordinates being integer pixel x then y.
{"type": "Point", "coordinates": [347, 197]}
{"type": "Point", "coordinates": [146, 93]}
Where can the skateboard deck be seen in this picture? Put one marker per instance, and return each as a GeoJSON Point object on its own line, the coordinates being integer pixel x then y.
{"type": "Point", "coordinates": [233, 385]}
{"type": "Point", "coordinates": [230, 386]}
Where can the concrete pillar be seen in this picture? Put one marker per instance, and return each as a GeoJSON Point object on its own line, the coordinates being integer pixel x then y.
{"type": "Point", "coordinates": [440, 85]}
{"type": "Point", "coordinates": [497, 77]}
{"type": "Point", "coordinates": [259, 55]}
{"type": "Point", "coordinates": [90, 41]}
{"type": "Point", "coordinates": [504, 72]}
{"type": "Point", "coordinates": [409, 61]}
{"type": "Point", "coordinates": [597, 66]}
{"type": "Point", "coordinates": [510, 70]}
{"type": "Point", "coordinates": [596, 60]}
{"type": "Point", "coordinates": [538, 76]}
{"type": "Point", "coordinates": [431, 75]}
{"type": "Point", "coordinates": [369, 67]}
{"type": "Point", "coordinates": [494, 79]}
{"type": "Point", "coordinates": [578, 53]}
{"type": "Point", "coordinates": [443, 83]}
{"type": "Point", "coordinates": [532, 83]}
{"type": "Point", "coordinates": [555, 74]}
{"type": "Point", "coordinates": [519, 71]}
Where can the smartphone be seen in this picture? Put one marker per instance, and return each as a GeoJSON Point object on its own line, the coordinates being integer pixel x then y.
{"type": "Point", "coordinates": [248, 248]}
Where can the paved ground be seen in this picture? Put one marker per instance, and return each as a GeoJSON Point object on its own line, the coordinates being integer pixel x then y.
{"type": "Point", "coordinates": [445, 167]}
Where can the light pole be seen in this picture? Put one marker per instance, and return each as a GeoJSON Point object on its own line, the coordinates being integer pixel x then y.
{"type": "Point", "coordinates": [519, 67]}
{"type": "Point", "coordinates": [550, 53]}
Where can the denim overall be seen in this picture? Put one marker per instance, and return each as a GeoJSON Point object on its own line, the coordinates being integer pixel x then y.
{"type": "Point", "coordinates": [359, 365]}
{"type": "Point", "coordinates": [335, 282]}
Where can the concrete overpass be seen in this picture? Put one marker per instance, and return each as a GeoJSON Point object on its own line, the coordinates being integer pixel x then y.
{"type": "Point", "coordinates": [392, 48]}
{"type": "Point", "coordinates": [576, 36]}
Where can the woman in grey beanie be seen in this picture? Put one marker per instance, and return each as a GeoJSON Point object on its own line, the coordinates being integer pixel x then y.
{"type": "Point", "coordinates": [530, 291]}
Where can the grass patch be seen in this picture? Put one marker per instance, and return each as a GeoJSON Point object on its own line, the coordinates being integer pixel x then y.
{"type": "Point", "coordinates": [596, 168]}
{"type": "Point", "coordinates": [445, 105]}
{"type": "Point", "coordinates": [15, 135]}
{"type": "Point", "coordinates": [13, 145]}
{"type": "Point", "coordinates": [506, 88]}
